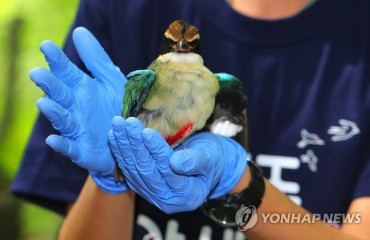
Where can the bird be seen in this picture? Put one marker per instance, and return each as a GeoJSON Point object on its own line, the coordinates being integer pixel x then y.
{"type": "Point", "coordinates": [176, 94]}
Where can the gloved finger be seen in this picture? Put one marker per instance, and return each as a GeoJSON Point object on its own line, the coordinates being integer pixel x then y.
{"type": "Point", "coordinates": [60, 118]}
{"type": "Point", "coordinates": [127, 159]}
{"type": "Point", "coordinates": [97, 60]}
{"type": "Point", "coordinates": [134, 183]}
{"type": "Point", "coordinates": [206, 147]}
{"type": "Point", "coordinates": [61, 66]}
{"type": "Point", "coordinates": [66, 147]}
{"type": "Point", "coordinates": [121, 139]}
{"type": "Point", "coordinates": [156, 145]}
{"type": "Point", "coordinates": [190, 162]}
{"type": "Point", "coordinates": [145, 164]}
{"type": "Point", "coordinates": [117, 155]}
{"type": "Point", "coordinates": [53, 87]}
{"type": "Point", "coordinates": [162, 152]}
{"type": "Point", "coordinates": [134, 128]}
{"type": "Point", "coordinates": [113, 145]}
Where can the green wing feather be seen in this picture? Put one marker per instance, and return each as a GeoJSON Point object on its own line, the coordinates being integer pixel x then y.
{"type": "Point", "coordinates": [136, 90]}
{"type": "Point", "coordinates": [229, 82]}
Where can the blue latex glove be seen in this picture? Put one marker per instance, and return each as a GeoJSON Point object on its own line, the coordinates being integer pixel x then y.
{"type": "Point", "coordinates": [81, 107]}
{"type": "Point", "coordinates": [204, 166]}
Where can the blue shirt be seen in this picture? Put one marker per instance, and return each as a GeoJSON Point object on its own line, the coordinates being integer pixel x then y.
{"type": "Point", "coordinates": [307, 81]}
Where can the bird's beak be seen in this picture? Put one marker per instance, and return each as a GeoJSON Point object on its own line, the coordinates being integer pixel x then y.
{"type": "Point", "coordinates": [182, 47]}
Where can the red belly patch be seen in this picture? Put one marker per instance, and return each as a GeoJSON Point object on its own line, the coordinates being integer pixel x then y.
{"type": "Point", "coordinates": [171, 139]}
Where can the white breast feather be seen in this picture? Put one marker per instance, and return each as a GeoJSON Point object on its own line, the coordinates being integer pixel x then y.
{"type": "Point", "coordinates": [181, 57]}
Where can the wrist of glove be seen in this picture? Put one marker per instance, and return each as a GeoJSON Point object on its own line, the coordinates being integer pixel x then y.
{"type": "Point", "coordinates": [107, 183]}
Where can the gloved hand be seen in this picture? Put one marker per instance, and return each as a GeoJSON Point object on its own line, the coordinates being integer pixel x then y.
{"type": "Point", "coordinates": [204, 166]}
{"type": "Point", "coordinates": [81, 107]}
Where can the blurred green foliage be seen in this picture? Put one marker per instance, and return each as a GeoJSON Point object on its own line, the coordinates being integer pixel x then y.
{"type": "Point", "coordinates": [40, 20]}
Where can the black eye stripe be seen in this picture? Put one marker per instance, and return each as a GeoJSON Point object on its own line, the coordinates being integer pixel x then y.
{"type": "Point", "coordinates": [170, 41]}
{"type": "Point", "coordinates": [194, 42]}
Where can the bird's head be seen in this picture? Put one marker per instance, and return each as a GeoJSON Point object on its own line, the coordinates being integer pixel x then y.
{"type": "Point", "coordinates": [181, 37]}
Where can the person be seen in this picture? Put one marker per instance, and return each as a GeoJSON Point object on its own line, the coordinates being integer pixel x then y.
{"type": "Point", "coordinates": [305, 72]}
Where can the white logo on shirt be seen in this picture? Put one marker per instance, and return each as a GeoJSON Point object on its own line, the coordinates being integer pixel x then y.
{"type": "Point", "coordinates": [345, 131]}
{"type": "Point", "coordinates": [311, 159]}
{"type": "Point", "coordinates": [172, 231]}
{"type": "Point", "coordinates": [308, 138]}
